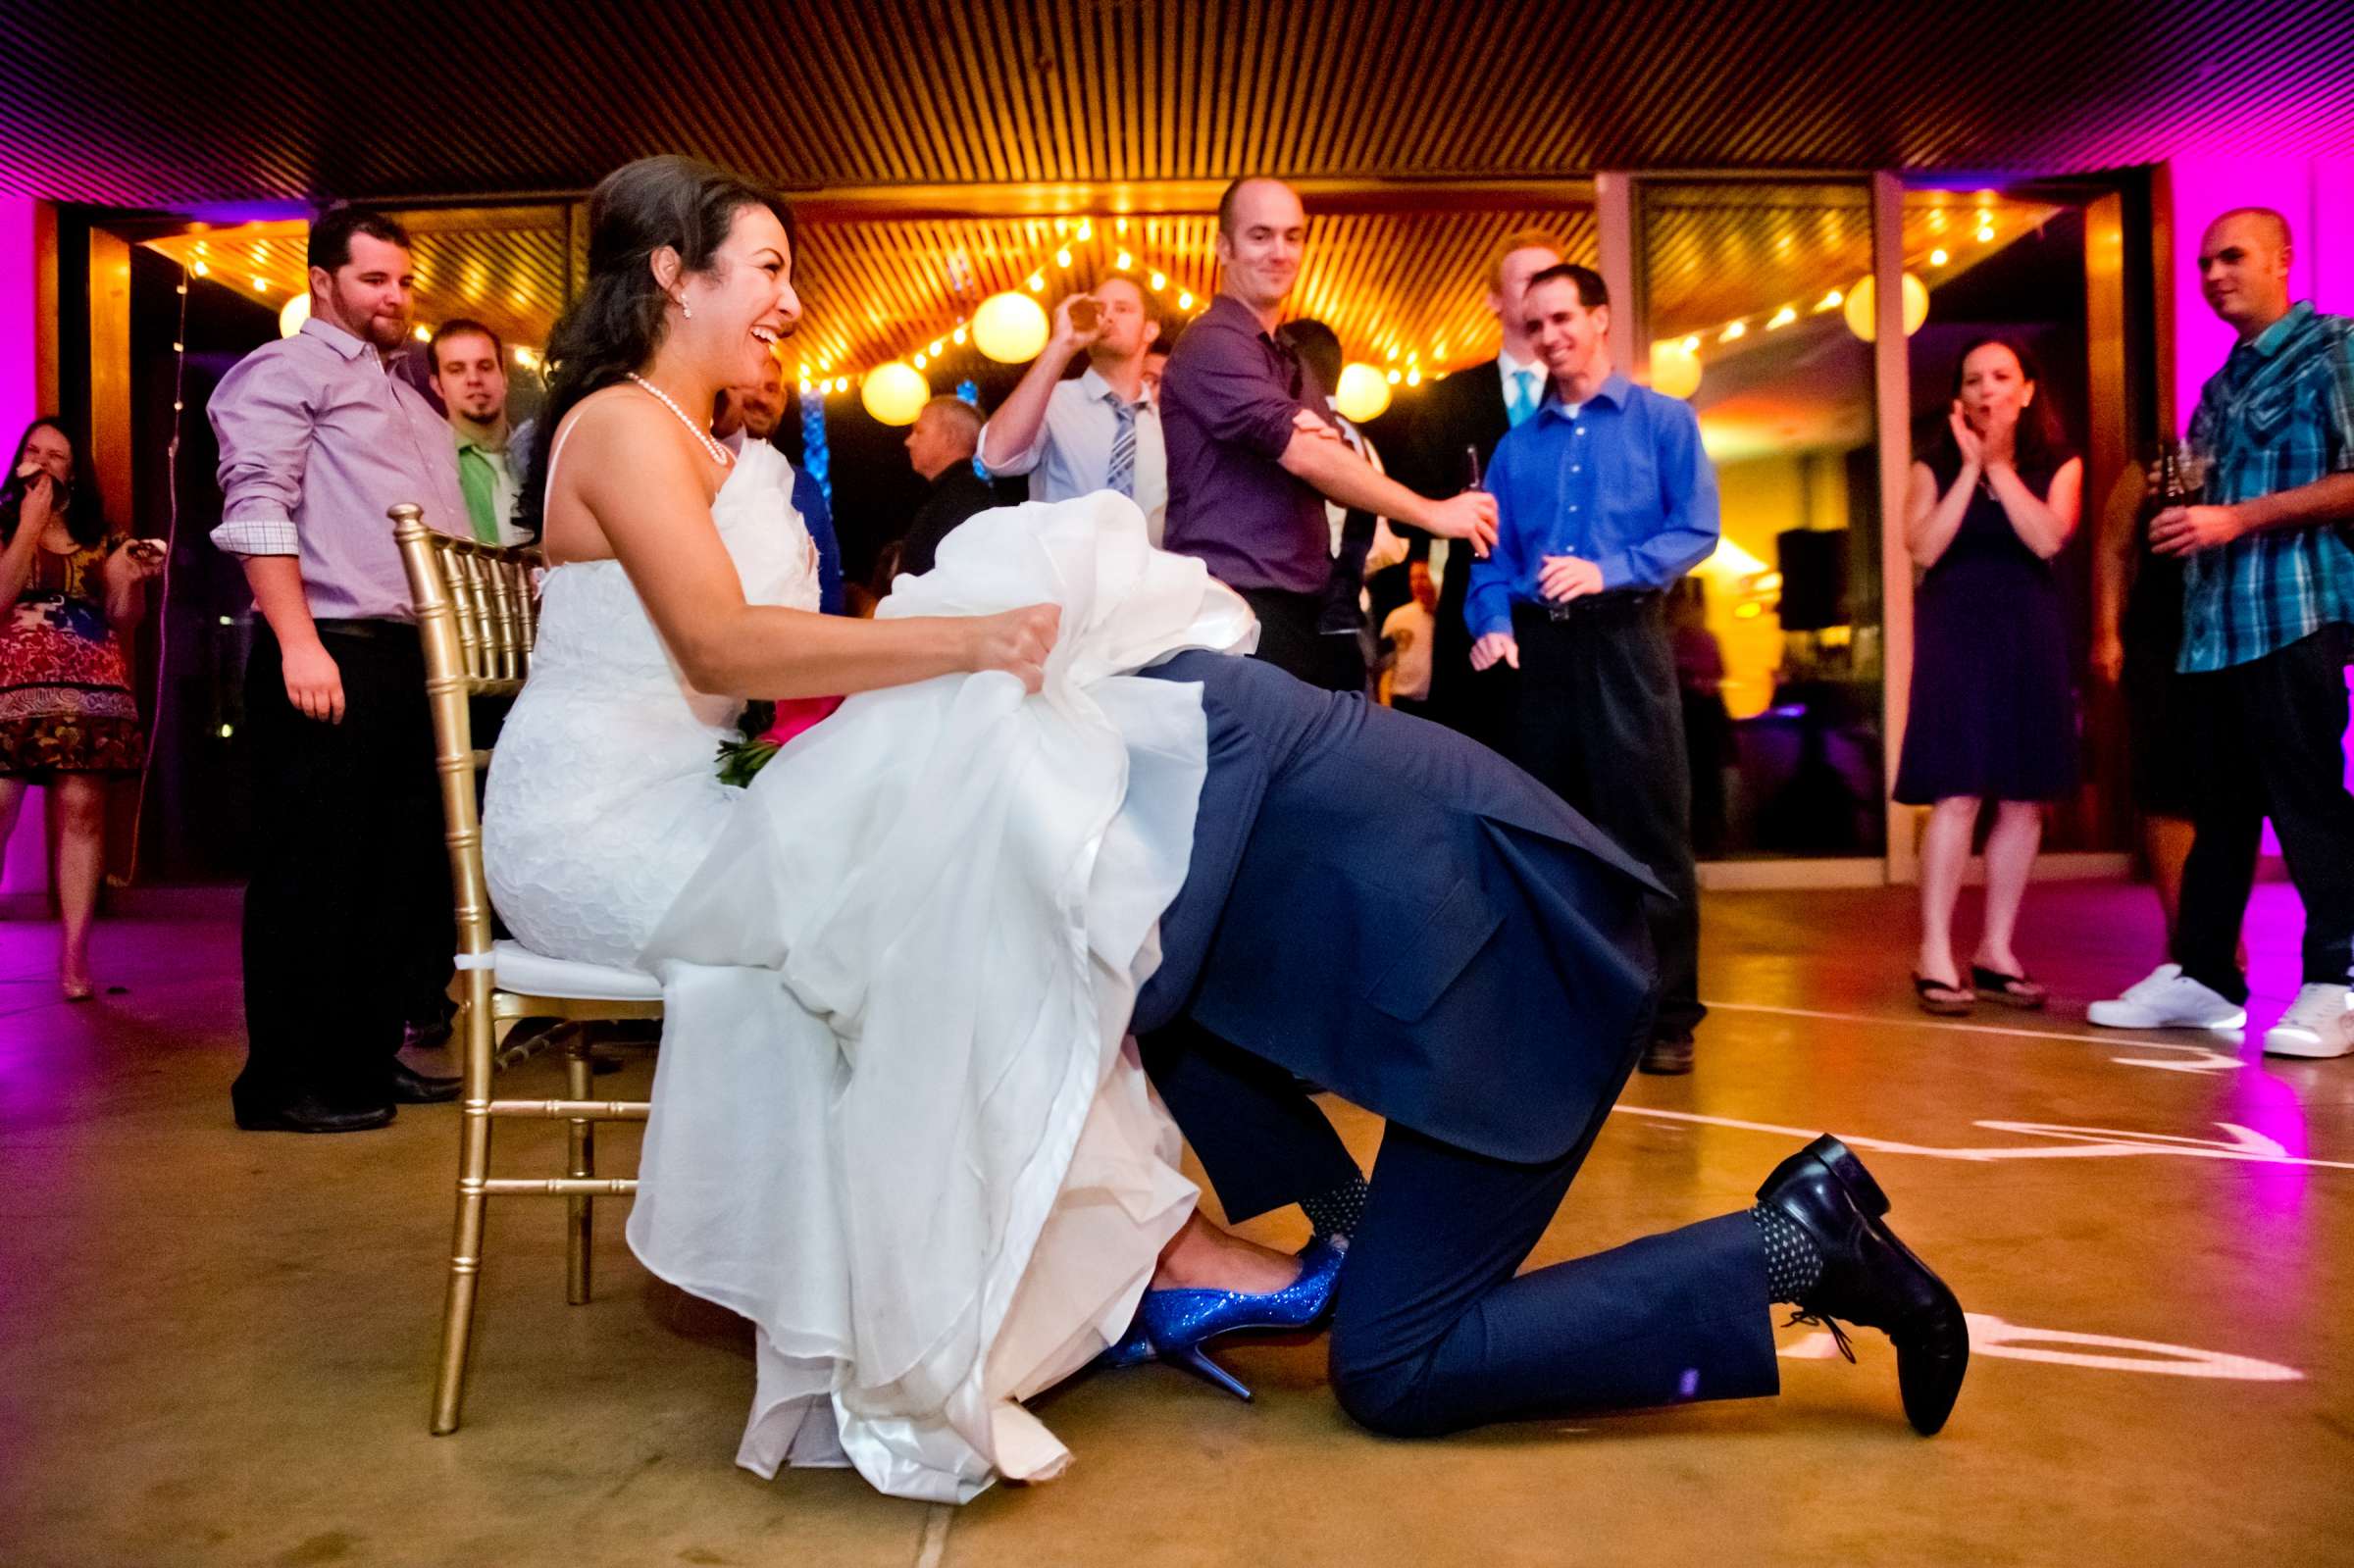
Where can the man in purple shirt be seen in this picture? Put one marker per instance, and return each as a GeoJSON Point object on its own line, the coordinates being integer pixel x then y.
{"type": "Point", "coordinates": [1254, 454]}
{"type": "Point", "coordinates": [348, 920]}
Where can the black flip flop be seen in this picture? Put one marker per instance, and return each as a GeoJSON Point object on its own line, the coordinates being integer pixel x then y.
{"type": "Point", "coordinates": [1956, 1003]}
{"type": "Point", "coordinates": [2012, 990]}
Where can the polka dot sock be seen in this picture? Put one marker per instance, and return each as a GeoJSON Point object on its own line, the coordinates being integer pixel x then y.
{"type": "Point", "coordinates": [1792, 1265]}
{"type": "Point", "coordinates": [1339, 1211]}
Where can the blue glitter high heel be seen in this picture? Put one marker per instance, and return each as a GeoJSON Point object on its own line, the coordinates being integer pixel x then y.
{"type": "Point", "coordinates": [1178, 1323]}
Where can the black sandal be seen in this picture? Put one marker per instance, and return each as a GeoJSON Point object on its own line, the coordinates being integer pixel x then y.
{"type": "Point", "coordinates": [1956, 1001]}
{"type": "Point", "coordinates": [2012, 990]}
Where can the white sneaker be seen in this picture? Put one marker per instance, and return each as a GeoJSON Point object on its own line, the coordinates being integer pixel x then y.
{"type": "Point", "coordinates": [2317, 1024]}
{"type": "Point", "coordinates": [2168, 999]}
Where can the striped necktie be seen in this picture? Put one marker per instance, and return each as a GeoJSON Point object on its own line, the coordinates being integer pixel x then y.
{"type": "Point", "coordinates": [1120, 474]}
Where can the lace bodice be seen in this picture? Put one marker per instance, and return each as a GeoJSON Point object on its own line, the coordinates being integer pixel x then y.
{"type": "Point", "coordinates": [602, 797]}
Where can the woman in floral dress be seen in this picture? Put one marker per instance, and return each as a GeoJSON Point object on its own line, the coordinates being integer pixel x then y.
{"type": "Point", "coordinates": [68, 719]}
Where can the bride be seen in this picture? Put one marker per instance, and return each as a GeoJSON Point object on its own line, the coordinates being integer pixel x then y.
{"type": "Point", "coordinates": [894, 1123]}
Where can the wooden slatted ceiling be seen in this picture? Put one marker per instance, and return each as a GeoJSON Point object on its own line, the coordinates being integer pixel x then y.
{"type": "Point", "coordinates": [1390, 285]}
{"type": "Point", "coordinates": [1407, 287]}
{"type": "Point", "coordinates": [504, 267]}
{"type": "Point", "coordinates": [1716, 253]}
{"type": "Point", "coordinates": [157, 105]}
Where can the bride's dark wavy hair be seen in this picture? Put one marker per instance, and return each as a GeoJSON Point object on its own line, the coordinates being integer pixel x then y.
{"type": "Point", "coordinates": [617, 322]}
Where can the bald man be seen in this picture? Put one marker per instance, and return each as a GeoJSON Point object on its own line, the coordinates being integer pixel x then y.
{"type": "Point", "coordinates": [940, 447]}
{"type": "Point", "coordinates": [2268, 625]}
{"type": "Point", "coordinates": [1253, 453]}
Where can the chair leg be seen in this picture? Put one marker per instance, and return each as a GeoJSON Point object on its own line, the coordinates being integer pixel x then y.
{"type": "Point", "coordinates": [579, 1237]}
{"type": "Point", "coordinates": [466, 1246]}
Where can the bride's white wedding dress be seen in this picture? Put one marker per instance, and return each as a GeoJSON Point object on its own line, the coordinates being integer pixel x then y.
{"type": "Point", "coordinates": [892, 1122]}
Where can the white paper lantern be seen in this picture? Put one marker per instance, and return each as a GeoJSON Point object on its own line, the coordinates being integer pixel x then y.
{"type": "Point", "coordinates": [1674, 369]}
{"type": "Point", "coordinates": [297, 311]}
{"type": "Point", "coordinates": [1010, 328]}
{"type": "Point", "coordinates": [1862, 312]}
{"type": "Point", "coordinates": [894, 392]}
{"type": "Point", "coordinates": [1362, 395]}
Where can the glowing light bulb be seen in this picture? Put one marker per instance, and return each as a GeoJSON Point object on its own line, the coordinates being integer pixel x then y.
{"type": "Point", "coordinates": [1736, 330]}
{"type": "Point", "coordinates": [1830, 301]}
{"type": "Point", "coordinates": [424, 334]}
{"type": "Point", "coordinates": [1414, 377]}
{"type": "Point", "coordinates": [1938, 258]}
{"type": "Point", "coordinates": [1087, 230]}
{"type": "Point", "coordinates": [921, 362]}
{"type": "Point", "coordinates": [1782, 317]}
{"type": "Point", "coordinates": [1119, 226]}
{"type": "Point", "coordinates": [202, 270]}
{"type": "Point", "coordinates": [934, 350]}
{"type": "Point", "coordinates": [261, 285]}
{"type": "Point", "coordinates": [1159, 282]}
{"type": "Point", "coordinates": [1037, 282]}
{"type": "Point", "coordinates": [1062, 257]}
{"type": "Point", "coordinates": [1393, 378]}
{"type": "Point", "coordinates": [958, 336]}
{"type": "Point", "coordinates": [1184, 300]}
{"type": "Point", "coordinates": [1123, 260]}
{"type": "Point", "coordinates": [1692, 344]}
{"type": "Point", "coordinates": [1986, 233]}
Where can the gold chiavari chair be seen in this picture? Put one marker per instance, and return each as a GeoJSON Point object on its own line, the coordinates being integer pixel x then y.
{"type": "Point", "coordinates": [476, 615]}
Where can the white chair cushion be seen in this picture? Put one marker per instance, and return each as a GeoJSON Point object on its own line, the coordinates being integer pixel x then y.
{"type": "Point", "coordinates": [519, 969]}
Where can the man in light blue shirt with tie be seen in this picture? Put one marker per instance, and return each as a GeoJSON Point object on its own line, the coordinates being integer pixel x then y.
{"type": "Point", "coordinates": [1604, 498]}
{"type": "Point", "coordinates": [1099, 432]}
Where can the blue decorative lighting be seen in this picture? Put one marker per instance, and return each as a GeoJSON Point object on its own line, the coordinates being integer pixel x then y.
{"type": "Point", "coordinates": [970, 391]}
{"type": "Point", "coordinates": [814, 458]}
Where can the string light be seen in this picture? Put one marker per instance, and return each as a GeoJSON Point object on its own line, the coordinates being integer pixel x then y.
{"type": "Point", "coordinates": [1830, 301]}
{"type": "Point", "coordinates": [934, 350]}
{"type": "Point", "coordinates": [1986, 233]}
{"type": "Point", "coordinates": [1087, 228]}
{"type": "Point", "coordinates": [1159, 282]}
{"type": "Point", "coordinates": [1938, 258]}
{"type": "Point", "coordinates": [1062, 257]}
{"type": "Point", "coordinates": [1037, 282]}
{"type": "Point", "coordinates": [1123, 260]}
{"type": "Point", "coordinates": [1733, 332]}
{"type": "Point", "coordinates": [1184, 300]}
{"type": "Point", "coordinates": [1692, 344]}
{"type": "Point", "coordinates": [1782, 317]}
{"type": "Point", "coordinates": [958, 336]}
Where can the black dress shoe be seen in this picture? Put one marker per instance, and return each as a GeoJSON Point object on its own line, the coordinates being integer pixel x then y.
{"type": "Point", "coordinates": [310, 1114]}
{"type": "Point", "coordinates": [411, 1087]}
{"type": "Point", "coordinates": [1668, 1058]}
{"type": "Point", "coordinates": [1872, 1278]}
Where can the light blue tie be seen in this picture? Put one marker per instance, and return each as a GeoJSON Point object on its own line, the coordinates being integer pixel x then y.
{"type": "Point", "coordinates": [1524, 396]}
{"type": "Point", "coordinates": [1121, 474]}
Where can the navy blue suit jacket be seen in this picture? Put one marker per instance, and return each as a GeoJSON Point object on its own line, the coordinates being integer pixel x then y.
{"type": "Point", "coordinates": [1397, 913]}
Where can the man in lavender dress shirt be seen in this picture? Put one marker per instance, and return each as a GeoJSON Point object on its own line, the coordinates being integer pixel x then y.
{"type": "Point", "coordinates": [348, 914]}
{"type": "Point", "coordinates": [1253, 453]}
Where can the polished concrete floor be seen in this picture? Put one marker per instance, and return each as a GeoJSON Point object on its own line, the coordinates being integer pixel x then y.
{"type": "Point", "coordinates": [217, 1345]}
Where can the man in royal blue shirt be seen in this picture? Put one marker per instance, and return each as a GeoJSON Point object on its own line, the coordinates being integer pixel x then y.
{"type": "Point", "coordinates": [1603, 499]}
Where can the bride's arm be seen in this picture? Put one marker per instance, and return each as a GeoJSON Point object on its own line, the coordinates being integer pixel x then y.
{"type": "Point", "coordinates": [641, 483]}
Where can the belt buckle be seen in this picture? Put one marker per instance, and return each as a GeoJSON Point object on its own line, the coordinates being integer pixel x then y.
{"type": "Point", "coordinates": [1560, 609]}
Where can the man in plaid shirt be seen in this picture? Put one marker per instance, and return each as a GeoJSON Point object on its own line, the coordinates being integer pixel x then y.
{"type": "Point", "coordinates": [2267, 624]}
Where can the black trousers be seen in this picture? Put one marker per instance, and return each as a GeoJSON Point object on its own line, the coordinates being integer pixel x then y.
{"type": "Point", "coordinates": [1434, 1329]}
{"type": "Point", "coordinates": [1598, 718]}
{"type": "Point", "coordinates": [2268, 736]}
{"type": "Point", "coordinates": [1288, 640]}
{"type": "Point", "coordinates": [348, 915]}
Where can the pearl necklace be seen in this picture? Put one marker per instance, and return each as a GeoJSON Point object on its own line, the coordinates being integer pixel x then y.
{"type": "Point", "coordinates": [719, 453]}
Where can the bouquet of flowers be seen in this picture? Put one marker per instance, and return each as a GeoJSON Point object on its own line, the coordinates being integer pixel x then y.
{"type": "Point", "coordinates": [764, 728]}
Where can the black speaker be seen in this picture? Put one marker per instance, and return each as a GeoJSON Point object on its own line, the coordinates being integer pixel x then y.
{"type": "Point", "coordinates": [1814, 564]}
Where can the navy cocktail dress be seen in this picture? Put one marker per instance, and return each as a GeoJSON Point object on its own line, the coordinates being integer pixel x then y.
{"type": "Point", "coordinates": [1992, 713]}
